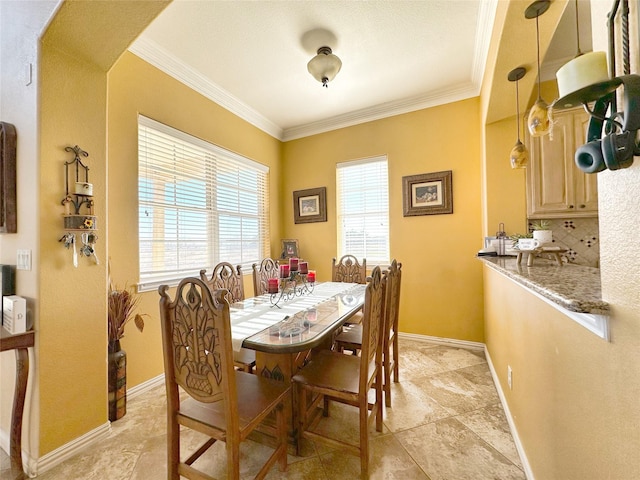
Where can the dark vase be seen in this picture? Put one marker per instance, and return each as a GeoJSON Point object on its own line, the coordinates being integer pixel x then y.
{"type": "Point", "coordinates": [117, 381]}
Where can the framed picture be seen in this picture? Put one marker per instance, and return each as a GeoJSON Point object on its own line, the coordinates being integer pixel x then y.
{"type": "Point", "coordinates": [310, 205]}
{"type": "Point", "coordinates": [427, 194]}
{"type": "Point", "coordinates": [8, 207]}
{"type": "Point", "coordinates": [290, 249]}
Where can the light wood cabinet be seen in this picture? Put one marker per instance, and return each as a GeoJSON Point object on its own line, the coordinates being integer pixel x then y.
{"type": "Point", "coordinates": [556, 187]}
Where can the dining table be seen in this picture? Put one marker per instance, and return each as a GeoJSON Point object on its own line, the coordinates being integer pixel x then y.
{"type": "Point", "coordinates": [284, 330]}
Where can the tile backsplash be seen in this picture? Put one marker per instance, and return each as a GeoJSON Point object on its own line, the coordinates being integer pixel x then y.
{"type": "Point", "coordinates": [580, 236]}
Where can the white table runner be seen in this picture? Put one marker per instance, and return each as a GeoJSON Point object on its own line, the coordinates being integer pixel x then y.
{"type": "Point", "coordinates": [255, 314]}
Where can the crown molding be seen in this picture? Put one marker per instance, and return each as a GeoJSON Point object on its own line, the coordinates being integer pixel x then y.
{"type": "Point", "coordinates": [152, 53]}
{"type": "Point", "coordinates": [381, 111]}
{"type": "Point", "coordinates": [155, 55]}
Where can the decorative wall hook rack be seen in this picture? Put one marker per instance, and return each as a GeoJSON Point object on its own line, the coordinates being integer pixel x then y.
{"type": "Point", "coordinates": [79, 197]}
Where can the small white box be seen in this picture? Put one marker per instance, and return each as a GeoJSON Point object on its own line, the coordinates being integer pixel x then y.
{"type": "Point", "coordinates": [14, 314]}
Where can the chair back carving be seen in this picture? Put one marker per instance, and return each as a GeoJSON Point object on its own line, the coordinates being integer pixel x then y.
{"type": "Point", "coordinates": [196, 336]}
{"type": "Point", "coordinates": [372, 325]}
{"type": "Point", "coordinates": [349, 269]}
{"type": "Point", "coordinates": [224, 275]}
{"type": "Point", "coordinates": [267, 269]}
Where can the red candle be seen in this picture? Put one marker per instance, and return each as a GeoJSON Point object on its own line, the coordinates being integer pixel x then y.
{"type": "Point", "coordinates": [293, 264]}
{"type": "Point", "coordinates": [273, 285]}
{"type": "Point", "coordinates": [284, 271]}
{"type": "Point", "coordinates": [311, 276]}
{"type": "Point", "coordinates": [304, 267]}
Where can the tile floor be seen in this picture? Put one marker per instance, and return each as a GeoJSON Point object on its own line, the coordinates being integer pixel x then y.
{"type": "Point", "coordinates": [446, 422]}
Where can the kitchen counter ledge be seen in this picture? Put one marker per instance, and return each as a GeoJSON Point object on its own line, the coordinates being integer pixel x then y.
{"type": "Point", "coordinates": [575, 288]}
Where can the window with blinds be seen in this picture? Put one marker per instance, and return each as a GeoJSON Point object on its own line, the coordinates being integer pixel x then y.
{"type": "Point", "coordinates": [198, 204]}
{"type": "Point", "coordinates": [363, 209]}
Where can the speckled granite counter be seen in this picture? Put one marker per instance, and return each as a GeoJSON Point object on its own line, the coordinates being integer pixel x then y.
{"type": "Point", "coordinates": [573, 287]}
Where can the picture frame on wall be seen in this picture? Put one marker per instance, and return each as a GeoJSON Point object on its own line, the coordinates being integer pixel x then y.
{"type": "Point", "coordinates": [427, 194]}
{"type": "Point", "coordinates": [310, 205]}
{"type": "Point", "coordinates": [290, 248]}
{"type": "Point", "coordinates": [8, 207]}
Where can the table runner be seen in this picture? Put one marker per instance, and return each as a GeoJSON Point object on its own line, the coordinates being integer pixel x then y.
{"type": "Point", "coordinates": [253, 315]}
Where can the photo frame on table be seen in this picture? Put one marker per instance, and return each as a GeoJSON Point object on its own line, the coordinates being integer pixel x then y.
{"type": "Point", "coordinates": [427, 194]}
{"type": "Point", "coordinates": [290, 249]}
{"type": "Point", "coordinates": [310, 205]}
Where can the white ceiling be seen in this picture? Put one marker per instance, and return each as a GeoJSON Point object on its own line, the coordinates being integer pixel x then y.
{"type": "Point", "coordinates": [397, 56]}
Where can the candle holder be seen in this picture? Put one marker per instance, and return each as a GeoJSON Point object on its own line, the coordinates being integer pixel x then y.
{"type": "Point", "coordinates": [294, 285]}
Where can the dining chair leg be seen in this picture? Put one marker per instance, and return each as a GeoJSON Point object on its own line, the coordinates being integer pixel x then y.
{"type": "Point", "coordinates": [302, 412]}
{"type": "Point", "coordinates": [364, 441]}
{"type": "Point", "coordinates": [386, 368]}
{"type": "Point", "coordinates": [282, 434]}
{"type": "Point", "coordinates": [173, 449]}
{"type": "Point", "coordinates": [396, 356]}
{"type": "Point", "coordinates": [233, 460]}
{"type": "Point", "coordinates": [379, 401]}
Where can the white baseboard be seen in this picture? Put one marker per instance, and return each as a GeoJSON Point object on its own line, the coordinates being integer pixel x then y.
{"type": "Point", "coordinates": [66, 451]}
{"type": "Point", "coordinates": [38, 466]}
{"type": "Point", "coordinates": [514, 431]}
{"type": "Point", "coordinates": [145, 386]}
{"type": "Point", "coordinates": [451, 342]}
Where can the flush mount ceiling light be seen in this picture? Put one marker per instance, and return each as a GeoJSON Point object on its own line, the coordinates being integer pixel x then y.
{"type": "Point", "coordinates": [519, 154]}
{"type": "Point", "coordinates": [324, 66]}
{"type": "Point", "coordinates": [538, 121]}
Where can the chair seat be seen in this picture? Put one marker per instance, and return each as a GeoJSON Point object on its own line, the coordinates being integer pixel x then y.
{"type": "Point", "coordinates": [355, 319]}
{"type": "Point", "coordinates": [255, 395]}
{"type": "Point", "coordinates": [333, 371]}
{"type": "Point", "coordinates": [351, 335]}
{"type": "Point", "coordinates": [245, 358]}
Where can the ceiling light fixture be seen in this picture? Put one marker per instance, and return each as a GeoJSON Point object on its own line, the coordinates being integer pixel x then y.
{"type": "Point", "coordinates": [324, 66]}
{"type": "Point", "coordinates": [538, 121]}
{"type": "Point", "coordinates": [519, 154]}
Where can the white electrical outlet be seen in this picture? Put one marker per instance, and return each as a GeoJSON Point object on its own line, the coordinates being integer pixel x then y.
{"type": "Point", "coordinates": [509, 377]}
{"type": "Point", "coordinates": [23, 262]}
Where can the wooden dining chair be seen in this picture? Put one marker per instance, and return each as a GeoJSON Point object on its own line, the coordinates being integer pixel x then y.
{"type": "Point", "coordinates": [267, 269]}
{"type": "Point", "coordinates": [349, 269]}
{"type": "Point", "coordinates": [332, 376]}
{"type": "Point", "coordinates": [222, 403]}
{"type": "Point", "coordinates": [225, 275]}
{"type": "Point", "coordinates": [351, 337]}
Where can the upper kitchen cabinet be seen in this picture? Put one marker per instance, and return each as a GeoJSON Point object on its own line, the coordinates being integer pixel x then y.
{"type": "Point", "coordinates": [556, 187]}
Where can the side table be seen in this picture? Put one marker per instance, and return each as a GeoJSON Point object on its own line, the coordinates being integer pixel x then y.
{"type": "Point", "coordinates": [18, 342]}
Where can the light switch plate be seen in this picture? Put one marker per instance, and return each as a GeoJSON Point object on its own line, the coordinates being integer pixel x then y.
{"type": "Point", "coordinates": [24, 260]}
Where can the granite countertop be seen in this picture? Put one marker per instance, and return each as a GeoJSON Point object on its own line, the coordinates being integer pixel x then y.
{"type": "Point", "coordinates": [573, 287]}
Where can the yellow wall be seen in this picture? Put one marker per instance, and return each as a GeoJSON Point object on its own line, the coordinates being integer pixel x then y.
{"type": "Point", "coordinates": [441, 284]}
{"type": "Point", "coordinates": [72, 323]}
{"type": "Point", "coordinates": [137, 87]}
{"type": "Point", "coordinates": [575, 396]}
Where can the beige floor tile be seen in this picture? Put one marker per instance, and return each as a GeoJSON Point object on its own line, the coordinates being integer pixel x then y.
{"type": "Point", "coordinates": [389, 461]}
{"type": "Point", "coordinates": [448, 450]}
{"type": "Point", "coordinates": [458, 392]}
{"type": "Point", "coordinates": [421, 440]}
{"type": "Point", "coordinates": [411, 407]}
{"type": "Point", "coordinates": [490, 424]}
{"type": "Point", "coordinates": [451, 358]}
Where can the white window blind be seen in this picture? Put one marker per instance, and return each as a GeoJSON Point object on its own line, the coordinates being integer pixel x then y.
{"type": "Point", "coordinates": [199, 204]}
{"type": "Point", "coordinates": [363, 209]}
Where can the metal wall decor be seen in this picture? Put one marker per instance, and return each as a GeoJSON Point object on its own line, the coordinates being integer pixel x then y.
{"type": "Point", "coordinates": [79, 219]}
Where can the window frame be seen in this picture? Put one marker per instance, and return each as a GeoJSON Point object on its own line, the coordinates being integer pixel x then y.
{"type": "Point", "coordinates": [340, 214]}
{"type": "Point", "coordinates": [214, 160]}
